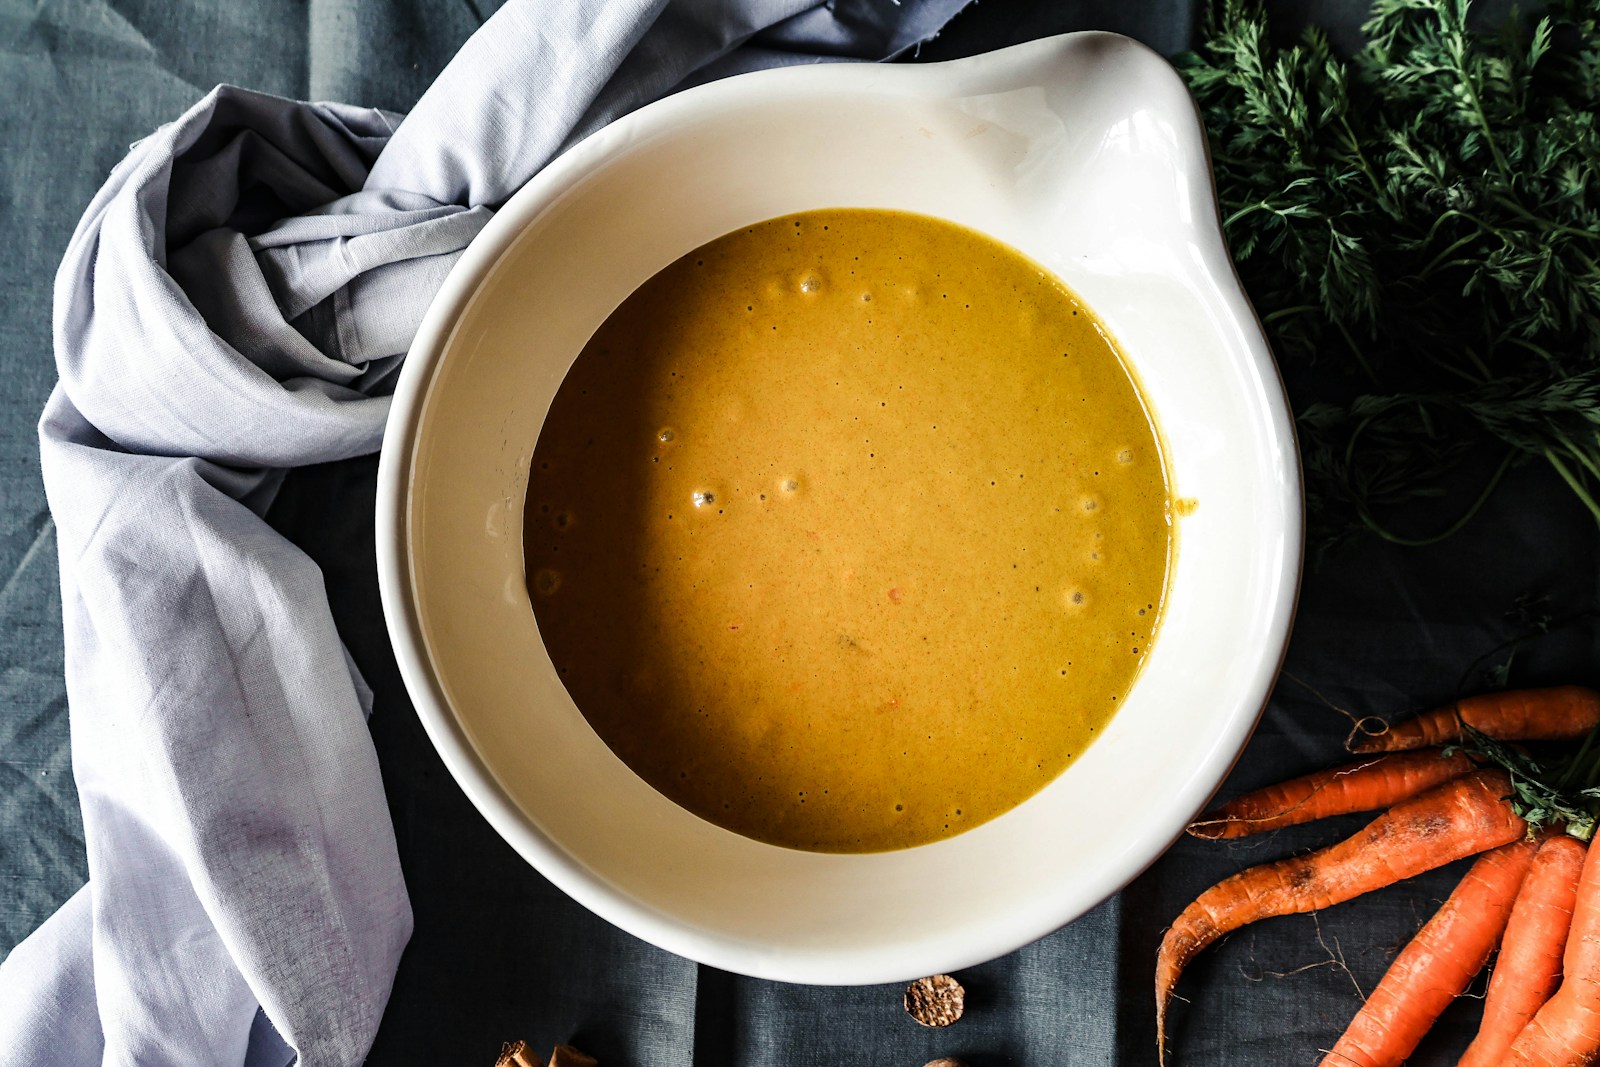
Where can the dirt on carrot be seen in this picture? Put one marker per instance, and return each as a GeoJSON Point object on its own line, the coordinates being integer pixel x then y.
{"type": "Point", "coordinates": [1561, 713]}
{"type": "Point", "coordinates": [1366, 785]}
{"type": "Point", "coordinates": [1435, 967]}
{"type": "Point", "coordinates": [1458, 818]}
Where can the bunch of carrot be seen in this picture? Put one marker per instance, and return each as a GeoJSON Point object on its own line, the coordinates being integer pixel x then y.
{"type": "Point", "coordinates": [1534, 893]}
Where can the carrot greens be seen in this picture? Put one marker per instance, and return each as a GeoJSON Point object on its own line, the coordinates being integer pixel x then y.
{"type": "Point", "coordinates": [1418, 226]}
{"type": "Point", "coordinates": [1562, 792]}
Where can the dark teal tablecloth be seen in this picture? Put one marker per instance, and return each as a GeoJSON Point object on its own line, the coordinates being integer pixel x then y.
{"type": "Point", "coordinates": [498, 953]}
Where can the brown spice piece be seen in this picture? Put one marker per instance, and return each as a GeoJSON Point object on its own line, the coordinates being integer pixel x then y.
{"type": "Point", "coordinates": [937, 1000]}
{"type": "Point", "coordinates": [517, 1054]}
{"type": "Point", "coordinates": [945, 1061]}
{"type": "Point", "coordinates": [567, 1056]}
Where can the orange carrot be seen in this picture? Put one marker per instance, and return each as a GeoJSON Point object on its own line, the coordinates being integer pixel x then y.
{"type": "Point", "coordinates": [1566, 1031]}
{"type": "Point", "coordinates": [1560, 714]}
{"type": "Point", "coordinates": [1436, 966]}
{"type": "Point", "coordinates": [1368, 785]}
{"type": "Point", "coordinates": [1461, 817]}
{"type": "Point", "coordinates": [1529, 968]}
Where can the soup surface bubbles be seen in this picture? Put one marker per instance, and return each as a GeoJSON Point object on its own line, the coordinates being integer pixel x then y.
{"type": "Point", "coordinates": [849, 530]}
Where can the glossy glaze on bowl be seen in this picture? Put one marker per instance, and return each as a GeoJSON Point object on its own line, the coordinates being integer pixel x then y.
{"type": "Point", "coordinates": [1083, 152]}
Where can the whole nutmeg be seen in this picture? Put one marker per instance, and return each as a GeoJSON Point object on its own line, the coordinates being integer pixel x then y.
{"type": "Point", "coordinates": [937, 1000]}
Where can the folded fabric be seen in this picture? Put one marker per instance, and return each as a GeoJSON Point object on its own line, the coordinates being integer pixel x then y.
{"type": "Point", "coordinates": [234, 303]}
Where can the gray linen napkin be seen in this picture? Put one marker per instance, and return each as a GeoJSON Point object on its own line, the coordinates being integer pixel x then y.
{"type": "Point", "coordinates": [235, 302]}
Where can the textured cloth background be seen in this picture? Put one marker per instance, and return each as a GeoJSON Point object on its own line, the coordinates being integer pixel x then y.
{"type": "Point", "coordinates": [497, 953]}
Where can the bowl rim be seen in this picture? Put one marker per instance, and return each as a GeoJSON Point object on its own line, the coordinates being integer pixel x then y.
{"type": "Point", "coordinates": [400, 442]}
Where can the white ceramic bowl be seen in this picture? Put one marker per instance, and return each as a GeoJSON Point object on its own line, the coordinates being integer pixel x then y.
{"type": "Point", "coordinates": [1084, 152]}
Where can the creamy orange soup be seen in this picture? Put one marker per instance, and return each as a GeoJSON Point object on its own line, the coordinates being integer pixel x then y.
{"type": "Point", "coordinates": [849, 531]}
